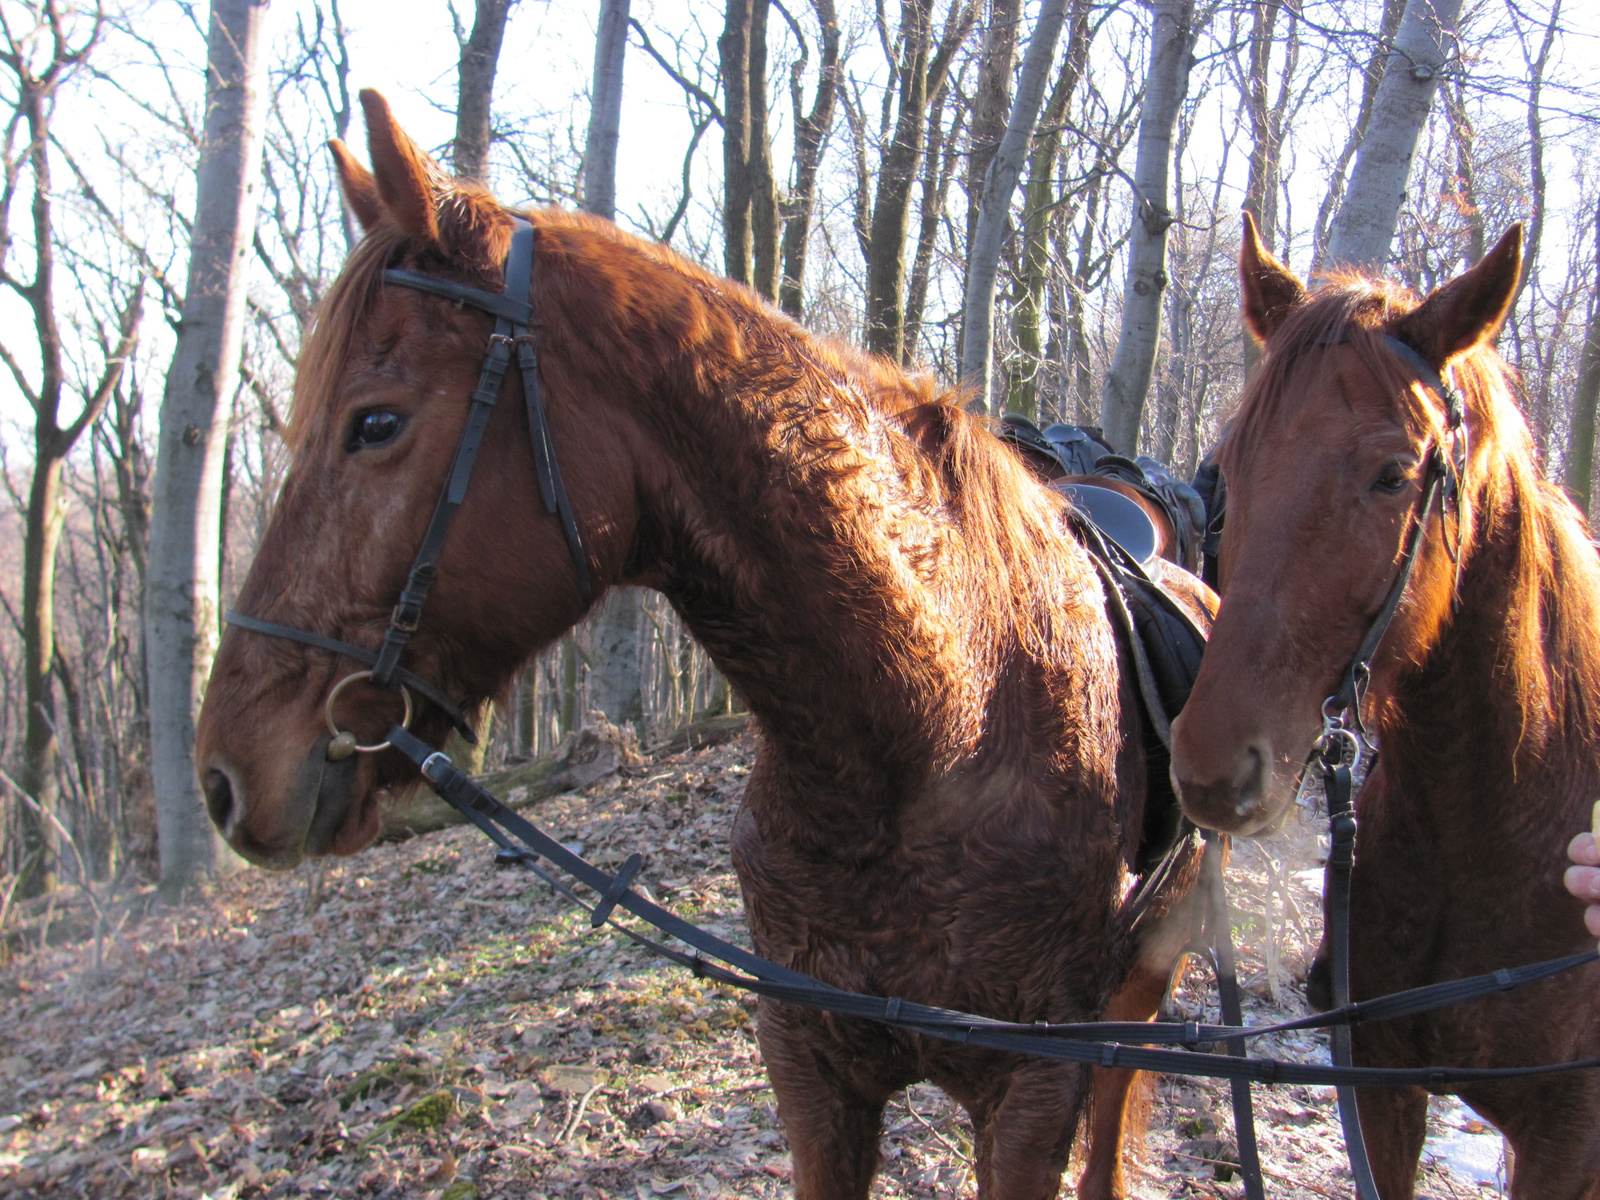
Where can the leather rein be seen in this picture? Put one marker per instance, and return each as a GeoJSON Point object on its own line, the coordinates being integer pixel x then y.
{"type": "Point", "coordinates": [513, 313]}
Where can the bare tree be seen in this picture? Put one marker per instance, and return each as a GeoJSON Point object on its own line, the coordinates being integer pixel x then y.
{"type": "Point", "coordinates": [182, 599]}
{"type": "Point", "coordinates": [1366, 221]}
{"type": "Point", "coordinates": [605, 114]}
{"type": "Point", "coordinates": [1172, 34]}
{"type": "Point", "coordinates": [1586, 398]}
{"type": "Point", "coordinates": [1005, 168]}
{"type": "Point", "coordinates": [810, 135]}
{"type": "Point", "coordinates": [750, 195]}
{"type": "Point", "coordinates": [615, 688]}
{"type": "Point", "coordinates": [480, 58]}
{"type": "Point", "coordinates": [42, 47]}
{"type": "Point", "coordinates": [920, 71]}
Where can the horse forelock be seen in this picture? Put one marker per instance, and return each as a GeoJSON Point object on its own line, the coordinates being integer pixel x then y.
{"type": "Point", "coordinates": [473, 236]}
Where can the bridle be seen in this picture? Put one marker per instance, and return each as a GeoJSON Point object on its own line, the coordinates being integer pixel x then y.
{"type": "Point", "coordinates": [513, 314]}
{"type": "Point", "coordinates": [1344, 738]}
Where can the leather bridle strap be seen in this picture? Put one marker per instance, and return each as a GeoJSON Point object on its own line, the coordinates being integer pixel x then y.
{"type": "Point", "coordinates": [513, 313]}
{"type": "Point", "coordinates": [334, 646]}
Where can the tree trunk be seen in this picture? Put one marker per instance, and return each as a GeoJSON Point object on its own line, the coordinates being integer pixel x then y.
{"type": "Point", "coordinates": [734, 50]}
{"type": "Point", "coordinates": [983, 257]}
{"type": "Point", "coordinates": [991, 106]}
{"type": "Point", "coordinates": [1371, 77]}
{"type": "Point", "coordinates": [922, 72]}
{"type": "Point", "coordinates": [181, 603]}
{"type": "Point", "coordinates": [480, 57]}
{"type": "Point", "coordinates": [1366, 222]}
{"type": "Point", "coordinates": [810, 135]}
{"type": "Point", "coordinates": [605, 116]}
{"type": "Point", "coordinates": [1166, 82]}
{"type": "Point", "coordinates": [1037, 215]}
{"type": "Point", "coordinates": [764, 263]}
{"type": "Point", "coordinates": [1580, 447]}
{"type": "Point", "coordinates": [615, 687]}
{"type": "Point", "coordinates": [40, 749]}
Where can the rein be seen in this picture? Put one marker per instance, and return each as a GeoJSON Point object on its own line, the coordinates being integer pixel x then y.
{"type": "Point", "coordinates": [513, 314]}
{"type": "Point", "coordinates": [1094, 1043]}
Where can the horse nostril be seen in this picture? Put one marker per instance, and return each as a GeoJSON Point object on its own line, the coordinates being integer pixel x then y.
{"type": "Point", "coordinates": [219, 798]}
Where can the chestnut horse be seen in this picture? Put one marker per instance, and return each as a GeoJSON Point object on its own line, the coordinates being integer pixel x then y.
{"type": "Point", "coordinates": [951, 781]}
{"type": "Point", "coordinates": [1482, 694]}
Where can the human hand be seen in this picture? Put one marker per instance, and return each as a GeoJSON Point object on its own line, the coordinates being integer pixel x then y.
{"type": "Point", "coordinates": [1583, 879]}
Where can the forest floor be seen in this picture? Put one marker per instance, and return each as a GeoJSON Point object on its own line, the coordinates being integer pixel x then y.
{"type": "Point", "coordinates": [413, 1022]}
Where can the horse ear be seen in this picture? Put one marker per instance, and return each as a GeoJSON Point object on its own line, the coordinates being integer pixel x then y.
{"type": "Point", "coordinates": [1469, 310]}
{"type": "Point", "coordinates": [1269, 290]}
{"type": "Point", "coordinates": [356, 182]}
{"type": "Point", "coordinates": [407, 179]}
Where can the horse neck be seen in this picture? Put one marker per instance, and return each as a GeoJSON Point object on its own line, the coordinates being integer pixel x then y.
{"type": "Point", "coordinates": [1468, 740]}
{"type": "Point", "coordinates": [808, 551]}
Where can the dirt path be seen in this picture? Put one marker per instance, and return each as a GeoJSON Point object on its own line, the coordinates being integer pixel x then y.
{"type": "Point", "coordinates": [413, 1022]}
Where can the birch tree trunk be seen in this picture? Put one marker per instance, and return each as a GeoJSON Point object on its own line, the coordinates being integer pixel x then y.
{"type": "Point", "coordinates": [480, 58]}
{"type": "Point", "coordinates": [1166, 83]}
{"type": "Point", "coordinates": [1366, 221]}
{"type": "Point", "coordinates": [181, 601]}
{"type": "Point", "coordinates": [983, 258]}
{"type": "Point", "coordinates": [605, 117]}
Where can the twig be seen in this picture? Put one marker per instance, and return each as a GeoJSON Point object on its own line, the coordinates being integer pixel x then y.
{"type": "Point", "coordinates": [577, 1117]}
{"type": "Point", "coordinates": [943, 1141]}
{"type": "Point", "coordinates": [1222, 1162]}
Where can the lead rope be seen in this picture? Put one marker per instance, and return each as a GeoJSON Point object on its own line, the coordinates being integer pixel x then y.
{"type": "Point", "coordinates": [1220, 918]}
{"type": "Point", "coordinates": [1339, 749]}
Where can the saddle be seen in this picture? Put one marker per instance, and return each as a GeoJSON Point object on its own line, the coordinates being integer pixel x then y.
{"type": "Point", "coordinates": [1082, 450]}
{"type": "Point", "coordinates": [1162, 640]}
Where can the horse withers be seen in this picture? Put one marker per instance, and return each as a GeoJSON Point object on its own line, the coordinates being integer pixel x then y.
{"type": "Point", "coordinates": [951, 780]}
{"type": "Point", "coordinates": [1482, 697]}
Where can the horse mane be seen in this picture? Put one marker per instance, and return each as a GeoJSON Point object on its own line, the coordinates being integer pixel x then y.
{"type": "Point", "coordinates": [1549, 645]}
{"type": "Point", "coordinates": [816, 388]}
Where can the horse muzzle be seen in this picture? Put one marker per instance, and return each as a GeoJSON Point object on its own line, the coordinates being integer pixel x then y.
{"type": "Point", "coordinates": [1231, 794]}
{"type": "Point", "coordinates": [317, 810]}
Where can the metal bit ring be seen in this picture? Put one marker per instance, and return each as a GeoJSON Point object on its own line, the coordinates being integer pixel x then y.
{"type": "Point", "coordinates": [344, 744]}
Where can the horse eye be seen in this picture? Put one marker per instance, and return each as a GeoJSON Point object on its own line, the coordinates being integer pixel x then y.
{"type": "Point", "coordinates": [374, 429]}
{"type": "Point", "coordinates": [1393, 481]}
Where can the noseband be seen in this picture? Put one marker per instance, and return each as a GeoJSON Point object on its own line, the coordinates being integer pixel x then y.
{"type": "Point", "coordinates": [513, 313]}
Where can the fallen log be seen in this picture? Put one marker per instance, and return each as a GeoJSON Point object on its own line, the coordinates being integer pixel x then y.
{"type": "Point", "coordinates": [591, 753]}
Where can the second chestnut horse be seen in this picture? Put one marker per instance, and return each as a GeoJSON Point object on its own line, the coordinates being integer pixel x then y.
{"type": "Point", "coordinates": [1484, 695]}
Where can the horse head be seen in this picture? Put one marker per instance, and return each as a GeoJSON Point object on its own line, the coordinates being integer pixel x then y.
{"type": "Point", "coordinates": [381, 399]}
{"type": "Point", "coordinates": [1342, 436]}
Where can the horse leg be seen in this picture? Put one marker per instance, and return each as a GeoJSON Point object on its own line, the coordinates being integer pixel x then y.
{"type": "Point", "coordinates": [1394, 1122]}
{"type": "Point", "coordinates": [1113, 1088]}
{"type": "Point", "coordinates": [1022, 1142]}
{"type": "Point", "coordinates": [830, 1106]}
{"type": "Point", "coordinates": [1550, 1126]}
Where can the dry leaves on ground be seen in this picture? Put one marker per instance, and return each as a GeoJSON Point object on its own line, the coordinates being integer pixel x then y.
{"type": "Point", "coordinates": [413, 1022]}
